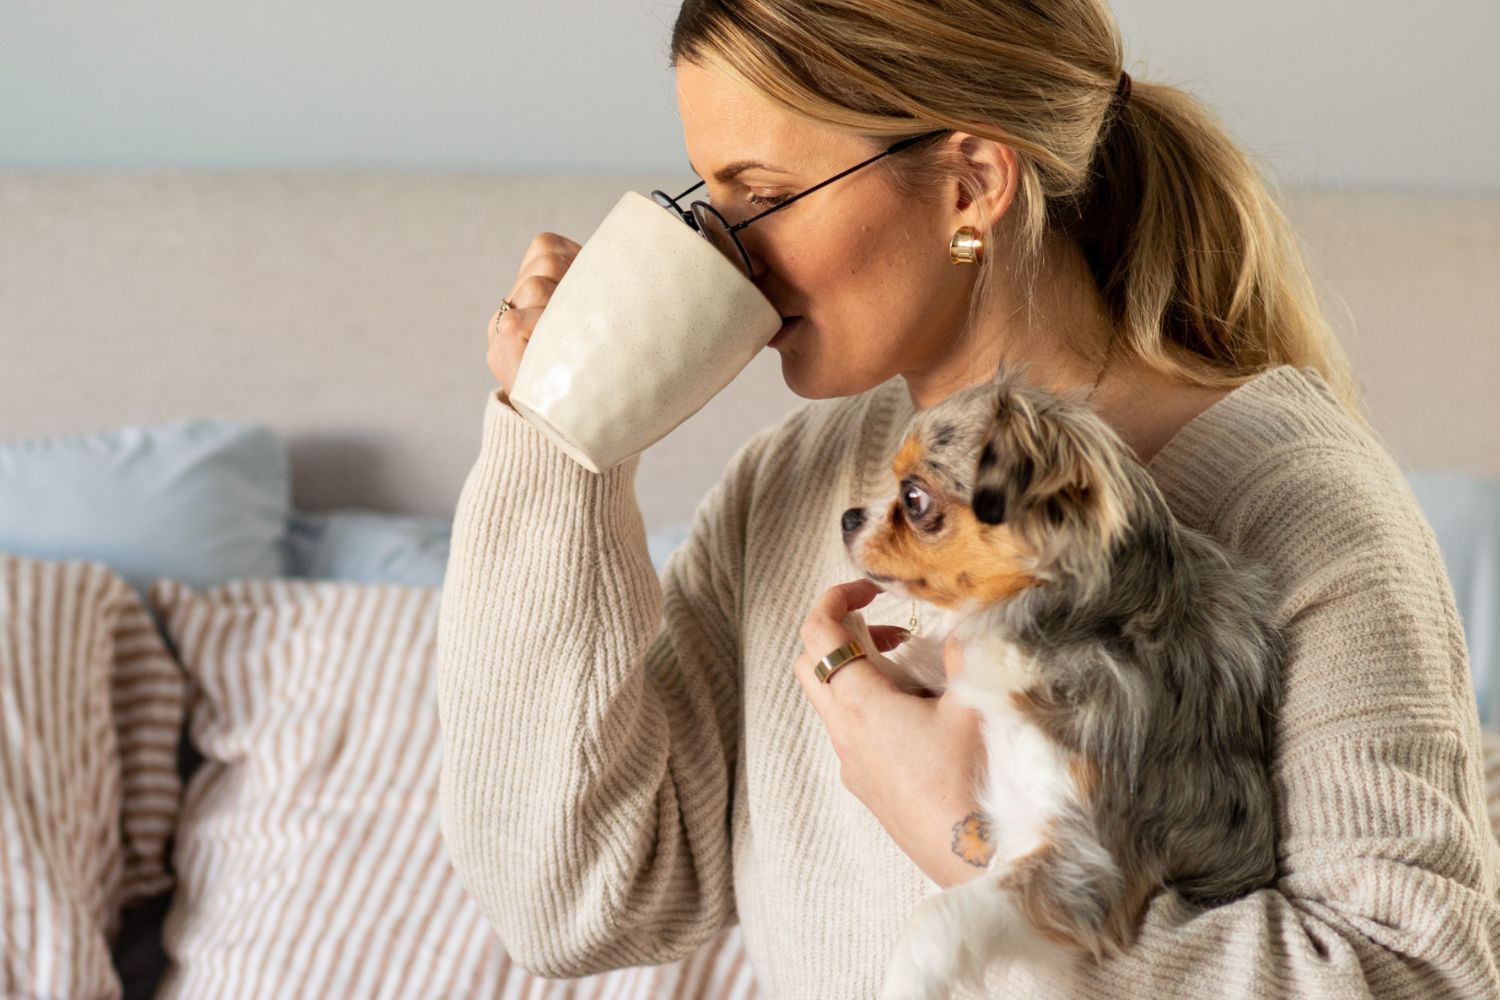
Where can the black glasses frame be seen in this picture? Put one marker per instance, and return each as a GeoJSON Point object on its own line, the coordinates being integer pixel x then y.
{"type": "Point", "coordinates": [689, 215]}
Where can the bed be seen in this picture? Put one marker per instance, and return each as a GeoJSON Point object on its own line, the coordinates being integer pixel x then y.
{"type": "Point", "coordinates": [236, 409]}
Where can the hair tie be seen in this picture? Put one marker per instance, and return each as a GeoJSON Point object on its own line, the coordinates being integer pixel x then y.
{"type": "Point", "coordinates": [1122, 90]}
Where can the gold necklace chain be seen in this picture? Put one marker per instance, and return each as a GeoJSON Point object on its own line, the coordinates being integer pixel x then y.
{"type": "Point", "coordinates": [913, 626]}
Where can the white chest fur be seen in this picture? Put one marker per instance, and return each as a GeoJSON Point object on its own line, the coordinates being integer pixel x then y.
{"type": "Point", "coordinates": [1027, 779]}
{"type": "Point", "coordinates": [953, 934]}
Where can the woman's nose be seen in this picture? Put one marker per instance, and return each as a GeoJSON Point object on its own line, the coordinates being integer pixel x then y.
{"type": "Point", "coordinates": [852, 519]}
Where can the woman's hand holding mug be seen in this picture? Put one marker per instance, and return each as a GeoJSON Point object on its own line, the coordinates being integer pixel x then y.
{"type": "Point", "coordinates": [652, 321]}
{"type": "Point", "coordinates": [546, 261]}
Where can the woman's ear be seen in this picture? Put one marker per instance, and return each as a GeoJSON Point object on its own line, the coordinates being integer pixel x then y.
{"type": "Point", "coordinates": [991, 181]}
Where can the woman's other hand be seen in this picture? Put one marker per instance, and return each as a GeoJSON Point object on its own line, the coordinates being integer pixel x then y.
{"type": "Point", "coordinates": [911, 760]}
{"type": "Point", "coordinates": [546, 260]}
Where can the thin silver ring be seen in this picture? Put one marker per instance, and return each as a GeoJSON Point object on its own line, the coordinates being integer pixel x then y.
{"type": "Point", "coordinates": [506, 305]}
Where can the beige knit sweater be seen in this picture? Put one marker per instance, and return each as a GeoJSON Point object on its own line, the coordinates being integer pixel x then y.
{"type": "Point", "coordinates": [629, 762]}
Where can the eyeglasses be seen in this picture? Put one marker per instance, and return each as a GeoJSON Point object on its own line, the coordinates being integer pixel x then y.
{"type": "Point", "coordinates": [712, 226]}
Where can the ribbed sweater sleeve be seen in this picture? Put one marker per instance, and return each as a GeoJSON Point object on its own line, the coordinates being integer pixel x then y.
{"type": "Point", "coordinates": [589, 711]}
{"type": "Point", "coordinates": [1387, 880]}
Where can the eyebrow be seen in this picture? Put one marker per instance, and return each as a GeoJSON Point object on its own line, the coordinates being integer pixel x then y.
{"type": "Point", "coordinates": [738, 167]}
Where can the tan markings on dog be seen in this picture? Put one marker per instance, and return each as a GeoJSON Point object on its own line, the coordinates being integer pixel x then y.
{"type": "Point", "coordinates": [1048, 716]}
{"type": "Point", "coordinates": [1028, 881]}
{"type": "Point", "coordinates": [990, 563]}
{"type": "Point", "coordinates": [1126, 917]}
{"type": "Point", "coordinates": [1086, 774]}
{"type": "Point", "coordinates": [1034, 884]}
{"type": "Point", "coordinates": [908, 457]}
{"type": "Point", "coordinates": [968, 561]}
{"type": "Point", "coordinates": [1125, 908]}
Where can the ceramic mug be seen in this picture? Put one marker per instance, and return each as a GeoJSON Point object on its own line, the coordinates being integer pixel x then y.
{"type": "Point", "coordinates": [648, 323]}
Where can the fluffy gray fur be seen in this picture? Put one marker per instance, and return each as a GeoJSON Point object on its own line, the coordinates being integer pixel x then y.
{"type": "Point", "coordinates": [1158, 654]}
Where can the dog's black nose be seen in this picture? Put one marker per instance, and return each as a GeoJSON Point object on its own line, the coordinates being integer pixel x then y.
{"type": "Point", "coordinates": [853, 518]}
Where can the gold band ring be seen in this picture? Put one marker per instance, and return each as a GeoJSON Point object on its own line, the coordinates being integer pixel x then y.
{"type": "Point", "coordinates": [830, 664]}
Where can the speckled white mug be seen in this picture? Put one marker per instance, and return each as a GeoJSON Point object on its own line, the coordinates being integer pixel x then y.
{"type": "Point", "coordinates": [648, 323]}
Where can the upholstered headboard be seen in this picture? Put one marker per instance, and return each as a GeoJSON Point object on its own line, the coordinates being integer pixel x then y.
{"type": "Point", "coordinates": [348, 310]}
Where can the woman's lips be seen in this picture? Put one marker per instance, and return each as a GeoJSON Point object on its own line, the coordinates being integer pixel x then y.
{"type": "Point", "coordinates": [788, 325]}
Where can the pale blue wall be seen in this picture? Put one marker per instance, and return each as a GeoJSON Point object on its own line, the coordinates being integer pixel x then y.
{"type": "Point", "coordinates": [1367, 94]}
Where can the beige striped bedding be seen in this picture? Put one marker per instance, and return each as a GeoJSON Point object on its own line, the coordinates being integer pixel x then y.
{"type": "Point", "coordinates": [309, 859]}
{"type": "Point", "coordinates": [309, 856]}
{"type": "Point", "coordinates": [90, 709]}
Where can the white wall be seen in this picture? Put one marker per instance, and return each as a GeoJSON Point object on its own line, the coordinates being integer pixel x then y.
{"type": "Point", "coordinates": [1373, 94]}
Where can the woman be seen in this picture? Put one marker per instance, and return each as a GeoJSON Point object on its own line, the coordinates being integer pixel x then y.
{"type": "Point", "coordinates": [630, 764]}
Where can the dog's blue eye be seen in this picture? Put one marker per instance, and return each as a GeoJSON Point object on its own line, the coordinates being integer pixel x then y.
{"type": "Point", "coordinates": [917, 508]}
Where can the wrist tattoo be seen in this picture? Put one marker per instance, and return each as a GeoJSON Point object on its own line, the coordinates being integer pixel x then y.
{"type": "Point", "coordinates": [971, 840]}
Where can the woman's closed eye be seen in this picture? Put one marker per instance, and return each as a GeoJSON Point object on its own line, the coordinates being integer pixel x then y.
{"type": "Point", "coordinates": [768, 201]}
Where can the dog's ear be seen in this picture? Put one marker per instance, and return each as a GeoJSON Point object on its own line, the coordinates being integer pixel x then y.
{"type": "Point", "coordinates": [1036, 468]}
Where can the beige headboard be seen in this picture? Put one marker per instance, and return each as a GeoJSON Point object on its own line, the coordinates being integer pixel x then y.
{"type": "Point", "coordinates": [347, 311]}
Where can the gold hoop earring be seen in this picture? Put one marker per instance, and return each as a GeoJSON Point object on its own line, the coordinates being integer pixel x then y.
{"type": "Point", "coordinates": [966, 246]}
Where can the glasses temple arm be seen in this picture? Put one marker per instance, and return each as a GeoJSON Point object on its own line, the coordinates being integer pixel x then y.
{"type": "Point", "coordinates": [895, 148]}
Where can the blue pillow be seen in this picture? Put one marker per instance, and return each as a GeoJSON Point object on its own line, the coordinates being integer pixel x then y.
{"type": "Point", "coordinates": [362, 546]}
{"type": "Point", "coordinates": [1464, 512]}
{"type": "Point", "coordinates": [663, 540]}
{"type": "Point", "coordinates": [202, 500]}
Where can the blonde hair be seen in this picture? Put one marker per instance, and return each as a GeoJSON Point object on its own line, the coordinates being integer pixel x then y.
{"type": "Point", "coordinates": [1200, 269]}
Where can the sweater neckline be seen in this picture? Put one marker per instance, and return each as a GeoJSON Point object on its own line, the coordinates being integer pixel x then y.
{"type": "Point", "coordinates": [1173, 464]}
{"type": "Point", "coordinates": [1190, 435]}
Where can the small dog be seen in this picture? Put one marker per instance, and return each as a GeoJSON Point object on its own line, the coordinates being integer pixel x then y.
{"type": "Point", "coordinates": [1126, 672]}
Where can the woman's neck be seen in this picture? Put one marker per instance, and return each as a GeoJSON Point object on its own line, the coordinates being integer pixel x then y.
{"type": "Point", "coordinates": [1062, 343]}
